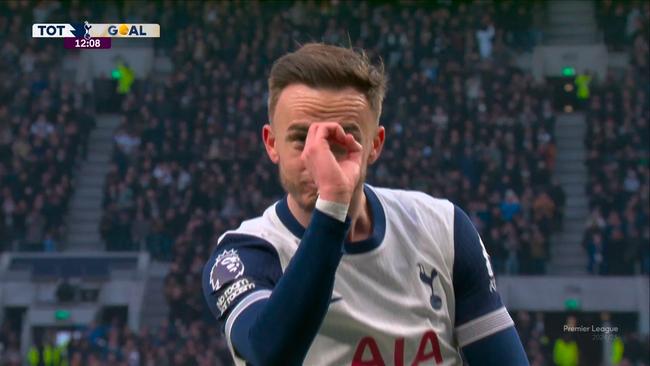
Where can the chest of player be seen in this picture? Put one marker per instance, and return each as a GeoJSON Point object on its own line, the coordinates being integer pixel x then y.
{"type": "Point", "coordinates": [391, 306]}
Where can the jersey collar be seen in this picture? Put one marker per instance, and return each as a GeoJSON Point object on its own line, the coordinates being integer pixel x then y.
{"type": "Point", "coordinates": [366, 245]}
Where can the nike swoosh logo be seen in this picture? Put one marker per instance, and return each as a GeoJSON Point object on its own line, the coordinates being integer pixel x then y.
{"type": "Point", "coordinates": [335, 299]}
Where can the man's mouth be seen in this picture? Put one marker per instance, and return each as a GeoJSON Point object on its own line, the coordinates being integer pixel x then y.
{"type": "Point", "coordinates": [309, 185]}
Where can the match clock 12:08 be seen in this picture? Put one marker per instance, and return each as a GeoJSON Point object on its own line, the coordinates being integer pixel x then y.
{"type": "Point", "coordinates": [91, 43]}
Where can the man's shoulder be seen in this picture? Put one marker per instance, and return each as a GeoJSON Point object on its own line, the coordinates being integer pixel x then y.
{"type": "Point", "coordinates": [413, 200]}
{"type": "Point", "coordinates": [265, 228]}
{"type": "Point", "coordinates": [419, 208]}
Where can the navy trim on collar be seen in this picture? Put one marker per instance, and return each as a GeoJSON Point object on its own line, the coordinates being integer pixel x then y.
{"type": "Point", "coordinates": [378, 218]}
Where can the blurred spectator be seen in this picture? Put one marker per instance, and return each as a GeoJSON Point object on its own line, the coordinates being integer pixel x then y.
{"type": "Point", "coordinates": [595, 250]}
{"type": "Point", "coordinates": [9, 346]}
{"type": "Point", "coordinates": [566, 351]}
{"type": "Point", "coordinates": [484, 37]}
{"type": "Point", "coordinates": [622, 22]}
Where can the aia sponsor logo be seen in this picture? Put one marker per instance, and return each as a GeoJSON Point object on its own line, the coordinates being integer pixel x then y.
{"type": "Point", "coordinates": [367, 352]}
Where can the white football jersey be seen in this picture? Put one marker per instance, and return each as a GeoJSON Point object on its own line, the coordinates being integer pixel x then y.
{"type": "Point", "coordinates": [395, 294]}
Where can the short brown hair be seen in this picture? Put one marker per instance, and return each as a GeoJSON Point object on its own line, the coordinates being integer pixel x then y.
{"type": "Point", "coordinates": [319, 65]}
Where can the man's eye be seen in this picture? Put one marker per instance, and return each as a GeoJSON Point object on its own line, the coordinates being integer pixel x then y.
{"type": "Point", "coordinates": [298, 138]}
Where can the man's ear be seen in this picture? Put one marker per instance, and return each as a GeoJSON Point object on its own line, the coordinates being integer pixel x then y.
{"type": "Point", "coordinates": [377, 144]}
{"type": "Point", "coordinates": [269, 143]}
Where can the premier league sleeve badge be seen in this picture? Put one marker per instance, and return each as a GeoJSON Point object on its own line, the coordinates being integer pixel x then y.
{"type": "Point", "coordinates": [227, 267]}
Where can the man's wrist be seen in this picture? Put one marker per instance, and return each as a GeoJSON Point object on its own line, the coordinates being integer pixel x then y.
{"type": "Point", "coordinates": [335, 196]}
{"type": "Point", "coordinates": [333, 209]}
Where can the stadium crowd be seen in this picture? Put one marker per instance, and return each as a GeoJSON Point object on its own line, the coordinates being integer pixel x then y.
{"type": "Point", "coordinates": [462, 123]}
{"type": "Point", "coordinates": [43, 132]}
{"type": "Point", "coordinates": [168, 345]}
{"type": "Point", "coordinates": [618, 230]}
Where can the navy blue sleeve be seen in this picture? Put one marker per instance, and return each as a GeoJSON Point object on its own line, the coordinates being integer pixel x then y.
{"type": "Point", "coordinates": [499, 349]}
{"type": "Point", "coordinates": [279, 330]}
{"type": "Point", "coordinates": [241, 264]}
{"type": "Point", "coordinates": [474, 283]}
{"type": "Point", "coordinates": [484, 329]}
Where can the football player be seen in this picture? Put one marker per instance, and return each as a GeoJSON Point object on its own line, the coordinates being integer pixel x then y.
{"type": "Point", "coordinates": [342, 273]}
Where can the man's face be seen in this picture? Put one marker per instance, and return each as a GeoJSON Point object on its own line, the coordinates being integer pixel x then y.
{"type": "Point", "coordinates": [297, 108]}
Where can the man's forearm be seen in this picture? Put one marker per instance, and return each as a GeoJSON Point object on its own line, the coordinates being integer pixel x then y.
{"type": "Point", "coordinates": [281, 330]}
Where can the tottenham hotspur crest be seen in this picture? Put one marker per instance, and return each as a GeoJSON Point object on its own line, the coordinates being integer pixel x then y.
{"type": "Point", "coordinates": [427, 279]}
{"type": "Point", "coordinates": [227, 267]}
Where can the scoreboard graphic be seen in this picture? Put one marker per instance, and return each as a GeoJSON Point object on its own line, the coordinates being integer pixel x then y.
{"type": "Point", "coordinates": [93, 35]}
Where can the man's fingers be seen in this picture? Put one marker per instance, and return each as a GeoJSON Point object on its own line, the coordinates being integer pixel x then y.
{"type": "Point", "coordinates": [331, 133]}
{"type": "Point", "coordinates": [328, 131]}
{"type": "Point", "coordinates": [311, 134]}
{"type": "Point", "coordinates": [340, 134]}
{"type": "Point", "coordinates": [333, 158]}
{"type": "Point", "coordinates": [352, 144]}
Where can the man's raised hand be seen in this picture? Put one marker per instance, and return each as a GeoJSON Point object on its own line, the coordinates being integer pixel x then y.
{"type": "Point", "coordinates": [333, 158]}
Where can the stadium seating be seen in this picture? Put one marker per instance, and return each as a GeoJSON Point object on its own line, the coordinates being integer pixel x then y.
{"type": "Point", "coordinates": [617, 230]}
{"type": "Point", "coordinates": [44, 126]}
